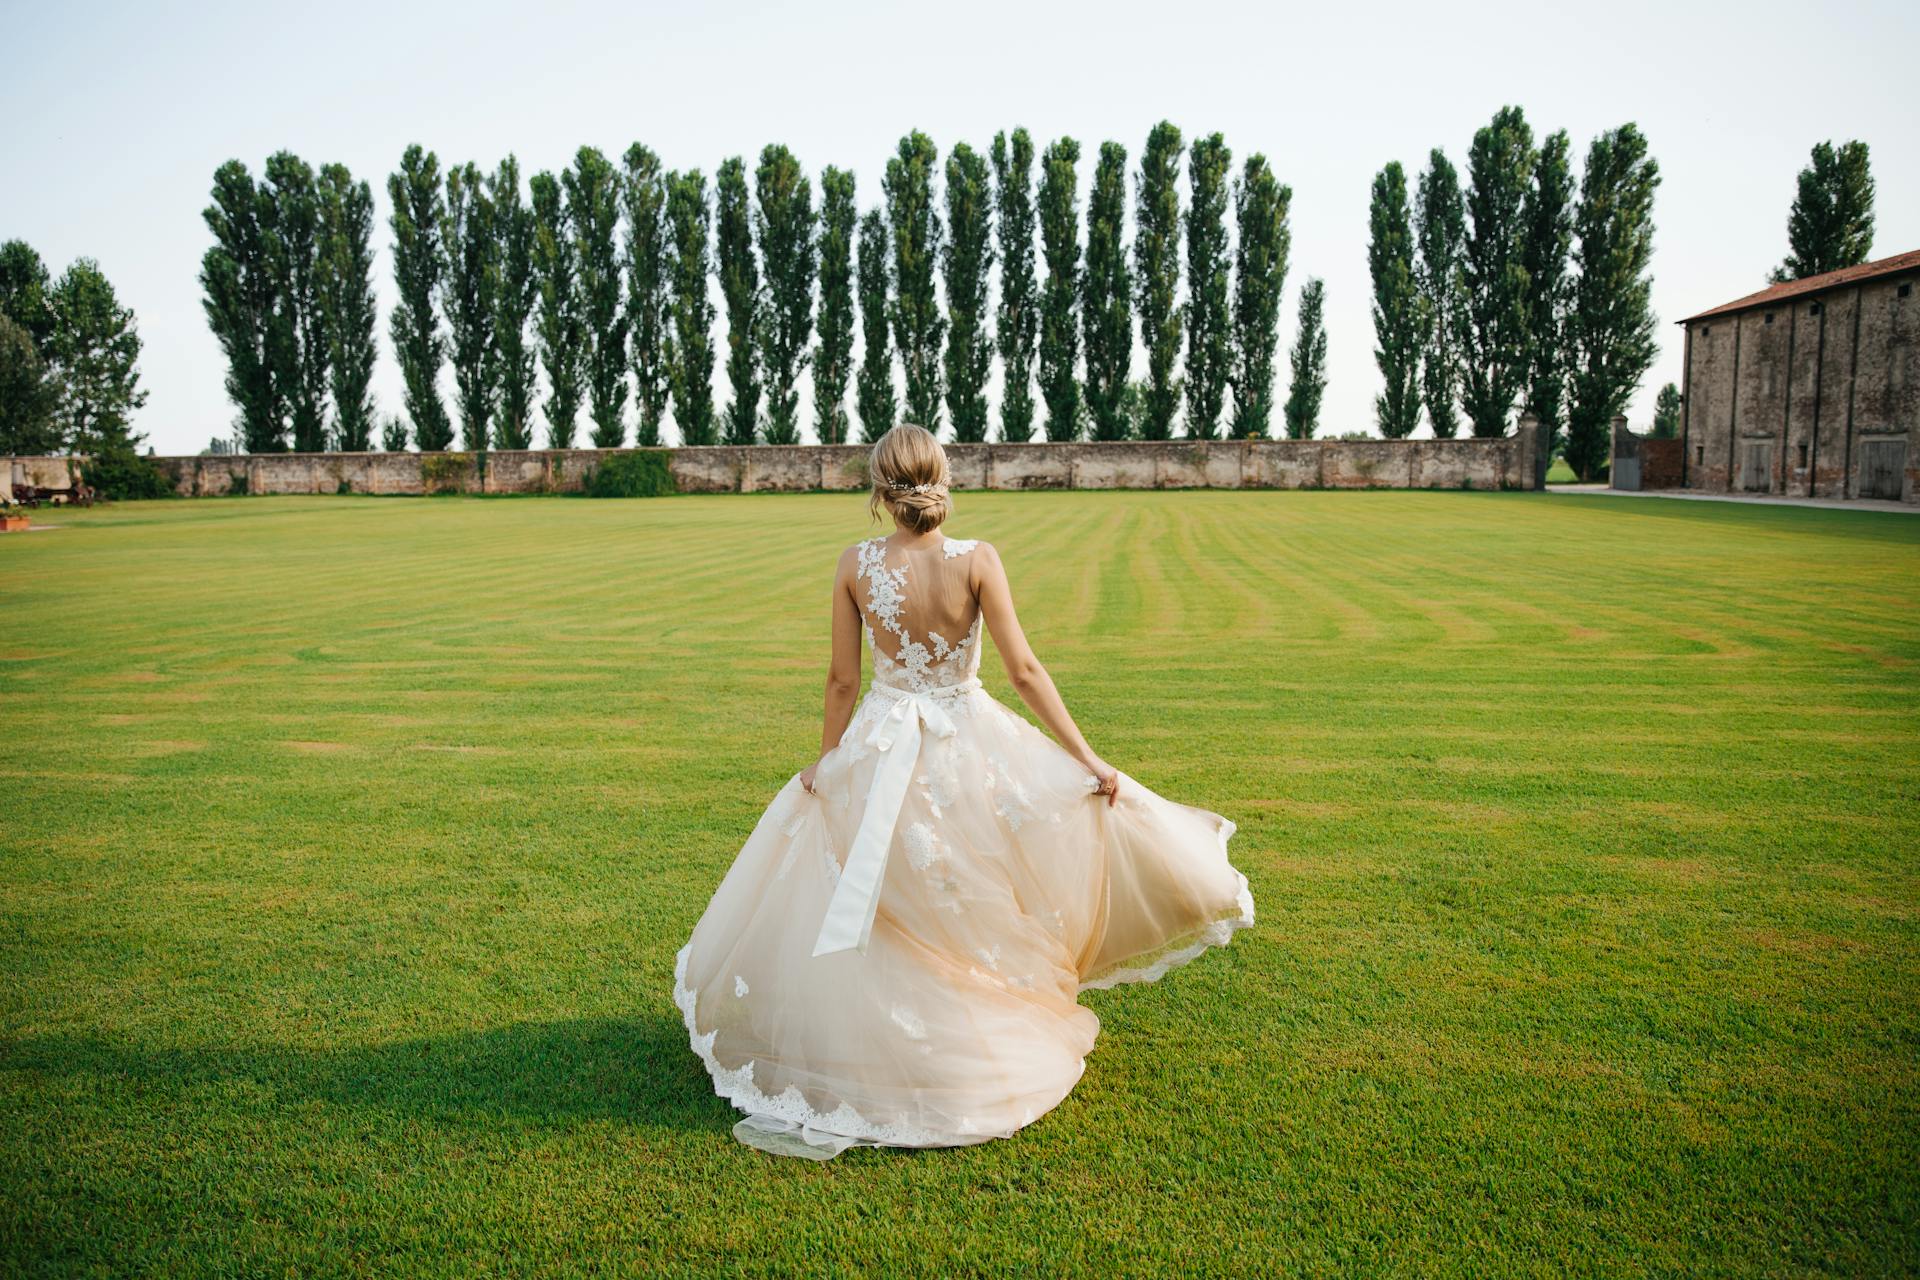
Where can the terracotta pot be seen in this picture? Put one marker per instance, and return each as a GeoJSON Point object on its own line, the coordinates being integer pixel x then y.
{"type": "Point", "coordinates": [12, 524]}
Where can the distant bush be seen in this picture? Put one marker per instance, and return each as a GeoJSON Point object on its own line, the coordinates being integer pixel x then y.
{"type": "Point", "coordinates": [122, 475]}
{"type": "Point", "coordinates": [643, 473]}
{"type": "Point", "coordinates": [445, 472]}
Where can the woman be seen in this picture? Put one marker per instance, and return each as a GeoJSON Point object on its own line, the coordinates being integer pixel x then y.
{"type": "Point", "coordinates": [894, 958]}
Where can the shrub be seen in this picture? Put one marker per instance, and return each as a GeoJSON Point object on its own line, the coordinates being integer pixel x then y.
{"type": "Point", "coordinates": [641, 473]}
{"type": "Point", "coordinates": [122, 474]}
{"type": "Point", "coordinates": [445, 472]}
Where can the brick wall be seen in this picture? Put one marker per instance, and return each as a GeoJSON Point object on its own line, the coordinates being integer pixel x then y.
{"type": "Point", "coordinates": [1816, 395]}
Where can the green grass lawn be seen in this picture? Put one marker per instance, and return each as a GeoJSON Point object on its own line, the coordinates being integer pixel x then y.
{"type": "Point", "coordinates": [1561, 473]}
{"type": "Point", "coordinates": [347, 843]}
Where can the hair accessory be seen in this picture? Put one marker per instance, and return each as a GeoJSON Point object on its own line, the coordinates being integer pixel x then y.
{"type": "Point", "coordinates": [901, 486]}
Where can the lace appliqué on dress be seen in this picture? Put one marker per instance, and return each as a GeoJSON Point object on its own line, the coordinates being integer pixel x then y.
{"type": "Point", "coordinates": [913, 665]}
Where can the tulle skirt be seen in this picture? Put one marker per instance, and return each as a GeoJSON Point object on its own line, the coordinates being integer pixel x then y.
{"type": "Point", "coordinates": [1009, 886]}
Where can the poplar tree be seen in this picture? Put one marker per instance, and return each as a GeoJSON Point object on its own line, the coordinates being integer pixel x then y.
{"type": "Point", "coordinates": [1547, 218]}
{"type": "Point", "coordinates": [878, 405]}
{"type": "Point", "coordinates": [1610, 326]}
{"type": "Point", "coordinates": [1106, 287]}
{"type": "Point", "coordinates": [1156, 269]}
{"type": "Point", "coordinates": [740, 287]}
{"type": "Point", "coordinates": [968, 266]}
{"type": "Point", "coordinates": [593, 215]}
{"type": "Point", "coordinates": [347, 303]}
{"type": "Point", "coordinates": [833, 357]}
{"type": "Point", "coordinates": [414, 192]}
{"type": "Point", "coordinates": [644, 204]}
{"type": "Point", "coordinates": [1499, 171]}
{"type": "Point", "coordinates": [466, 296]}
{"type": "Point", "coordinates": [1442, 221]}
{"type": "Point", "coordinates": [239, 283]}
{"type": "Point", "coordinates": [1017, 324]}
{"type": "Point", "coordinates": [1308, 358]}
{"type": "Point", "coordinates": [1666, 413]}
{"type": "Point", "coordinates": [690, 355]}
{"type": "Point", "coordinates": [298, 340]}
{"type": "Point", "coordinates": [1831, 224]}
{"type": "Point", "coordinates": [784, 223]}
{"type": "Point", "coordinates": [558, 325]}
{"type": "Point", "coordinates": [1060, 295]}
{"type": "Point", "coordinates": [1260, 205]}
{"type": "Point", "coordinates": [1209, 288]}
{"type": "Point", "coordinates": [515, 291]}
{"type": "Point", "coordinates": [918, 327]}
{"type": "Point", "coordinates": [1400, 314]}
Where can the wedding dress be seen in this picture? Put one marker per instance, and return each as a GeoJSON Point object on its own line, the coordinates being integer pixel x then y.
{"type": "Point", "coordinates": [894, 959]}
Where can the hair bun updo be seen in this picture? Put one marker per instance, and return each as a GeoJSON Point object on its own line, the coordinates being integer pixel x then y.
{"type": "Point", "coordinates": [910, 477]}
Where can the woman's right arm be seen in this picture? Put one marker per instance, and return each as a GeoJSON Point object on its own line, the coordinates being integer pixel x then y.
{"type": "Point", "coordinates": [1028, 676]}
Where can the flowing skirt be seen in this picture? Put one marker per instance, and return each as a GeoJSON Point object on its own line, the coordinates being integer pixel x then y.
{"type": "Point", "coordinates": [1008, 887]}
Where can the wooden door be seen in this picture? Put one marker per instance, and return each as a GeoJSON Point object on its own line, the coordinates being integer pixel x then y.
{"type": "Point", "coordinates": [1883, 464]}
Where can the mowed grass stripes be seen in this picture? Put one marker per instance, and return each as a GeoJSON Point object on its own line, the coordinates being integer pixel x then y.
{"type": "Point", "coordinates": [347, 843]}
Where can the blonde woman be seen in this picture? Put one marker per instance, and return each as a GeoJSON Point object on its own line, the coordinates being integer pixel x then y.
{"type": "Point", "coordinates": [895, 957]}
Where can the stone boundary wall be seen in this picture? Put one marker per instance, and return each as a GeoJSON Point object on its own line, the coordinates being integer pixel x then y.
{"type": "Point", "coordinates": [1513, 462]}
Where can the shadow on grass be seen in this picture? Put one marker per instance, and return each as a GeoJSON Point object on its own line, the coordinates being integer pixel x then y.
{"type": "Point", "coordinates": [545, 1073]}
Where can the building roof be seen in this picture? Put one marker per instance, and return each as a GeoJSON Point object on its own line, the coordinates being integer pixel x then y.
{"type": "Point", "coordinates": [1816, 284]}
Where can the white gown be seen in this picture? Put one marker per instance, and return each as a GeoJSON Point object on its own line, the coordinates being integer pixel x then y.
{"type": "Point", "coordinates": [895, 959]}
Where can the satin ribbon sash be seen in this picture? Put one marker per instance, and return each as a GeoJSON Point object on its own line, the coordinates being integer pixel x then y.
{"type": "Point", "coordinates": [896, 737]}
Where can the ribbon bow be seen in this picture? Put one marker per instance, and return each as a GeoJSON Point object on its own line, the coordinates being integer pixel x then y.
{"type": "Point", "coordinates": [896, 736]}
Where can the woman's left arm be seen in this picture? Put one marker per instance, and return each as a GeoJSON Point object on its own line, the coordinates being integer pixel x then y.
{"type": "Point", "coordinates": [843, 670]}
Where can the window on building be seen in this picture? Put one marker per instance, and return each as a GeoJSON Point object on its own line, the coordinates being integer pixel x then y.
{"type": "Point", "coordinates": [1699, 454]}
{"type": "Point", "coordinates": [1705, 329]}
{"type": "Point", "coordinates": [1905, 289]}
{"type": "Point", "coordinates": [1814, 310]}
{"type": "Point", "coordinates": [1769, 317]}
{"type": "Point", "coordinates": [1803, 455]}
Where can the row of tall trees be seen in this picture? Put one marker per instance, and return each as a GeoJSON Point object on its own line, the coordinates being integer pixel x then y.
{"type": "Point", "coordinates": [598, 278]}
{"type": "Point", "coordinates": [1515, 290]}
{"type": "Point", "coordinates": [288, 292]}
{"type": "Point", "coordinates": [69, 359]}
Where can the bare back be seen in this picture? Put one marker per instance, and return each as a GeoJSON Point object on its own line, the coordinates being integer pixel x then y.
{"type": "Point", "coordinates": [920, 612]}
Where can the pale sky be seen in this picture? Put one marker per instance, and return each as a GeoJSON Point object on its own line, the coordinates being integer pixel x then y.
{"type": "Point", "coordinates": [117, 116]}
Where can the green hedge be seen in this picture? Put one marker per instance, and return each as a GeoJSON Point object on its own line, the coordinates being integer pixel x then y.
{"type": "Point", "coordinates": [122, 474]}
{"type": "Point", "coordinates": [642, 473]}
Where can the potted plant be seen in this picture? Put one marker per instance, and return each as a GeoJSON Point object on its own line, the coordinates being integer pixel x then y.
{"type": "Point", "coordinates": [13, 517]}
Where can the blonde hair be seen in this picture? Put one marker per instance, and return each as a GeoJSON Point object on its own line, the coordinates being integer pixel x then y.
{"type": "Point", "coordinates": [910, 475]}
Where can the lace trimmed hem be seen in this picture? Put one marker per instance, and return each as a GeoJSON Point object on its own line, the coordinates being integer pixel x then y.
{"type": "Point", "coordinates": [1187, 947]}
{"type": "Point", "coordinates": [787, 1125]}
{"type": "Point", "coordinates": [738, 1088]}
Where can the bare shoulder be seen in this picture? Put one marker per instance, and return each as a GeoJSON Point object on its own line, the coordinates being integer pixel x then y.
{"type": "Point", "coordinates": [848, 565]}
{"type": "Point", "coordinates": [983, 562]}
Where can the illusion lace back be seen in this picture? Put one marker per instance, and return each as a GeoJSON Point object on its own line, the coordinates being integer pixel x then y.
{"type": "Point", "coordinates": [911, 649]}
{"type": "Point", "coordinates": [895, 958]}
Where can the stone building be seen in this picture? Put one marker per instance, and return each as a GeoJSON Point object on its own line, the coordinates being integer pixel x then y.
{"type": "Point", "coordinates": [1809, 388]}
